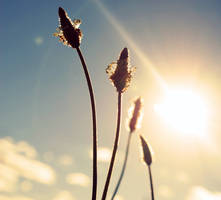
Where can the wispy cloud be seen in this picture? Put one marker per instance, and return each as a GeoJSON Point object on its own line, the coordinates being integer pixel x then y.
{"type": "Point", "coordinates": [8, 178]}
{"type": "Point", "coordinates": [4, 197]}
{"type": "Point", "coordinates": [103, 154]}
{"type": "Point", "coordinates": [26, 186]}
{"type": "Point", "coordinates": [26, 149]}
{"type": "Point", "coordinates": [19, 160]}
{"type": "Point", "coordinates": [63, 195]}
{"type": "Point", "coordinates": [201, 193]}
{"type": "Point", "coordinates": [78, 179]}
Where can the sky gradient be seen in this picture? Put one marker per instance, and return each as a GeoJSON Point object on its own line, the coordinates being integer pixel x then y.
{"type": "Point", "coordinates": [45, 121]}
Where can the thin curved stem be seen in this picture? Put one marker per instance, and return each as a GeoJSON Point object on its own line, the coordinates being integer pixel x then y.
{"type": "Point", "coordinates": [124, 166]}
{"type": "Point", "coordinates": [94, 187]}
{"type": "Point", "coordinates": [114, 149]}
{"type": "Point", "coordinates": [151, 182]}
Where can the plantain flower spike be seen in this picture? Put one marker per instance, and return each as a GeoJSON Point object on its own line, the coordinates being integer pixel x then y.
{"type": "Point", "coordinates": [147, 153]}
{"type": "Point", "coordinates": [68, 31]}
{"type": "Point", "coordinates": [120, 72]}
{"type": "Point", "coordinates": [136, 114]}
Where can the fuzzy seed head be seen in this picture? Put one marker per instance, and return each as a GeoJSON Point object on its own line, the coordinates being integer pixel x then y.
{"type": "Point", "coordinates": [136, 115]}
{"type": "Point", "coordinates": [147, 153]}
{"type": "Point", "coordinates": [68, 31]}
{"type": "Point", "coordinates": [120, 73]}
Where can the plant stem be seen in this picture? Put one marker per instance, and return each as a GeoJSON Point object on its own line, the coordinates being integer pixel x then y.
{"type": "Point", "coordinates": [94, 187]}
{"type": "Point", "coordinates": [151, 182]}
{"type": "Point", "coordinates": [114, 149]}
{"type": "Point", "coordinates": [124, 166]}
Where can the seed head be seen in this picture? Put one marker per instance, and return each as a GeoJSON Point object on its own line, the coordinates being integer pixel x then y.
{"type": "Point", "coordinates": [147, 153]}
{"type": "Point", "coordinates": [68, 31]}
{"type": "Point", "coordinates": [120, 72]}
{"type": "Point", "coordinates": [136, 114]}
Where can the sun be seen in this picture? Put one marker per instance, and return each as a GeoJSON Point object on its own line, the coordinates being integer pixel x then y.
{"type": "Point", "coordinates": [184, 110]}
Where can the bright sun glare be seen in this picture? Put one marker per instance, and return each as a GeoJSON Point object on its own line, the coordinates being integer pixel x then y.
{"type": "Point", "coordinates": [184, 110]}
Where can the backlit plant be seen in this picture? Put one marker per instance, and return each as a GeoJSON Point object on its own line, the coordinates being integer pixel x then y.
{"type": "Point", "coordinates": [120, 74]}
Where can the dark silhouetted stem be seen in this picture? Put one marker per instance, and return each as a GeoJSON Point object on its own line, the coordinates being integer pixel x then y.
{"type": "Point", "coordinates": [151, 182]}
{"type": "Point", "coordinates": [124, 166]}
{"type": "Point", "coordinates": [114, 149]}
{"type": "Point", "coordinates": [94, 186]}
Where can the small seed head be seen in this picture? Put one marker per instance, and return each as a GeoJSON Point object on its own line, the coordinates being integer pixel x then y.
{"type": "Point", "coordinates": [147, 153]}
{"type": "Point", "coordinates": [136, 114]}
{"type": "Point", "coordinates": [68, 31]}
{"type": "Point", "coordinates": [120, 73]}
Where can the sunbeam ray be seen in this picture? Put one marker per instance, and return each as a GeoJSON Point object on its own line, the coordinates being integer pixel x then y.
{"type": "Point", "coordinates": [144, 59]}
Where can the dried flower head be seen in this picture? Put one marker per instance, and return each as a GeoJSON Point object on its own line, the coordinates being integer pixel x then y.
{"type": "Point", "coordinates": [120, 72]}
{"type": "Point", "coordinates": [68, 31]}
{"type": "Point", "coordinates": [135, 114]}
{"type": "Point", "coordinates": [147, 153]}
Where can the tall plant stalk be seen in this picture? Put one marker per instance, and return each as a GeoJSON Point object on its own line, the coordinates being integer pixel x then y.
{"type": "Point", "coordinates": [151, 182]}
{"type": "Point", "coordinates": [114, 149]}
{"type": "Point", "coordinates": [94, 186]}
{"type": "Point", "coordinates": [124, 166]}
{"type": "Point", "coordinates": [133, 125]}
{"type": "Point", "coordinates": [69, 34]}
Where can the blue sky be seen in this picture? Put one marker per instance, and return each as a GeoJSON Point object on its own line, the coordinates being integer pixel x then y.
{"type": "Point", "coordinates": [45, 103]}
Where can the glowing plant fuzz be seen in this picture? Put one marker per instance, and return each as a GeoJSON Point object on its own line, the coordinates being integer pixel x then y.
{"type": "Point", "coordinates": [120, 73]}
{"type": "Point", "coordinates": [137, 115]}
{"type": "Point", "coordinates": [68, 31]}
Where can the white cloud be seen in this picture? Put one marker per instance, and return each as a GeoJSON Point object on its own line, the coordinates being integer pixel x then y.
{"type": "Point", "coordinates": [17, 160]}
{"type": "Point", "coordinates": [201, 193]}
{"type": "Point", "coordinates": [63, 195]}
{"type": "Point", "coordinates": [78, 179]}
{"type": "Point", "coordinates": [4, 197]}
{"type": "Point", "coordinates": [8, 178]}
{"type": "Point", "coordinates": [103, 154]}
{"type": "Point", "coordinates": [28, 150]}
{"type": "Point", "coordinates": [26, 186]}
